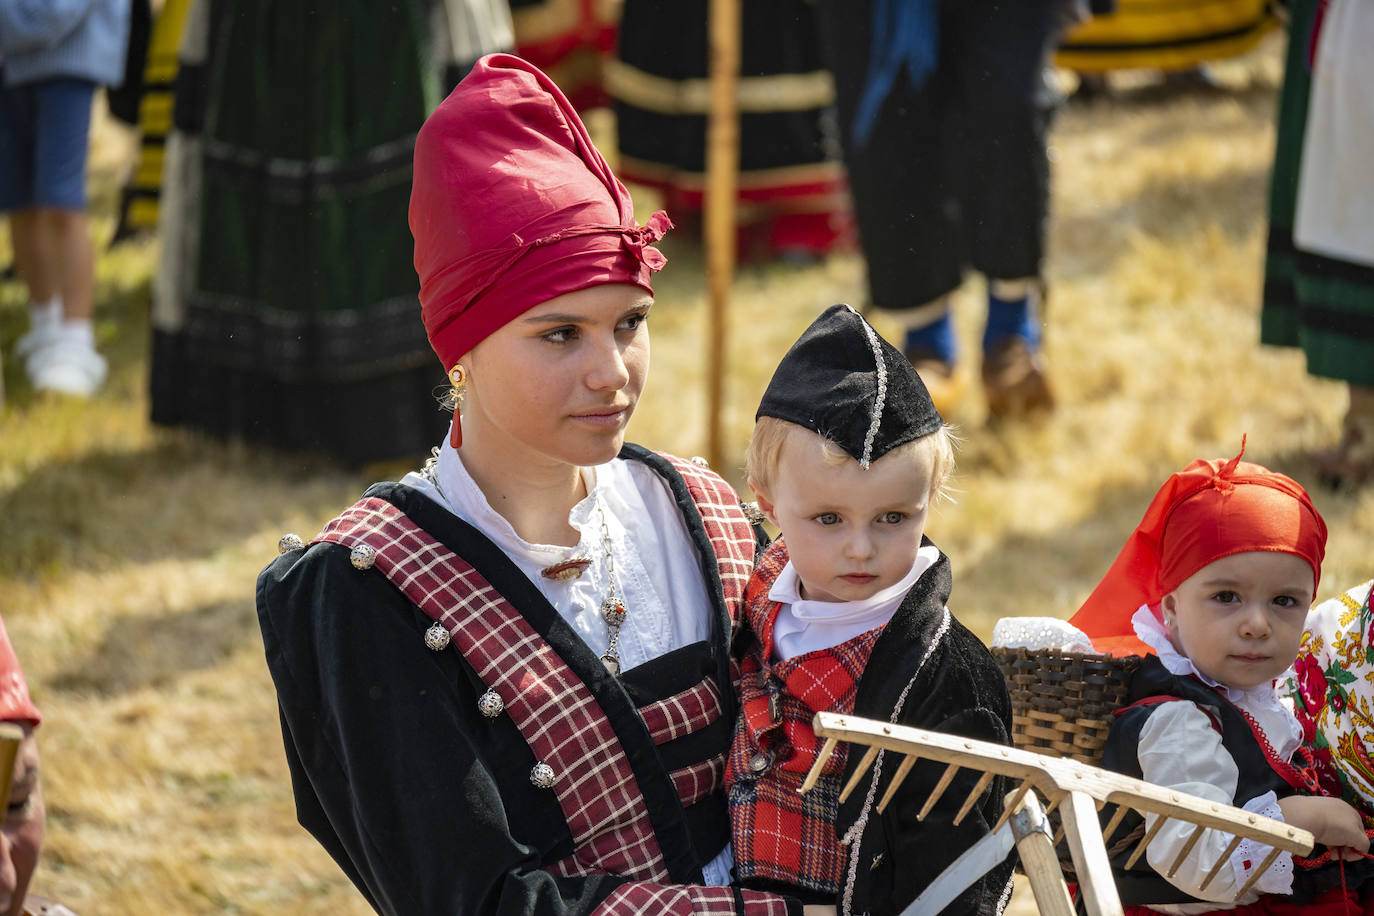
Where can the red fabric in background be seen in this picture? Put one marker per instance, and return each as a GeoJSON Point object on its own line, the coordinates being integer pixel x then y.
{"type": "Point", "coordinates": [1335, 902]}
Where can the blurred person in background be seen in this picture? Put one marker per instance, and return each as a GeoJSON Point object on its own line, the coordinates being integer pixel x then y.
{"type": "Point", "coordinates": [285, 291]}
{"type": "Point", "coordinates": [1319, 270]}
{"type": "Point", "coordinates": [793, 199]}
{"type": "Point", "coordinates": [1179, 38]}
{"type": "Point", "coordinates": [944, 110]}
{"type": "Point", "coordinates": [53, 56]}
{"type": "Point", "coordinates": [571, 41]}
{"type": "Point", "coordinates": [21, 837]}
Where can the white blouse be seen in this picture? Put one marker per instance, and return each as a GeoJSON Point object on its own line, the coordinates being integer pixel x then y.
{"type": "Point", "coordinates": [1180, 749]}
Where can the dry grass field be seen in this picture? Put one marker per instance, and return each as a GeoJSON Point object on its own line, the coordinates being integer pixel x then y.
{"type": "Point", "coordinates": [128, 553]}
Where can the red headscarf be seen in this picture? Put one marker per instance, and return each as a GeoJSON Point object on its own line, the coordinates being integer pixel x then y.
{"type": "Point", "coordinates": [1207, 511]}
{"type": "Point", "coordinates": [512, 205]}
{"type": "Point", "coordinates": [14, 692]}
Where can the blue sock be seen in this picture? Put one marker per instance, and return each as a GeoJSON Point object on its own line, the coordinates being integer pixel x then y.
{"type": "Point", "coordinates": [936, 338]}
{"type": "Point", "coordinates": [1012, 318]}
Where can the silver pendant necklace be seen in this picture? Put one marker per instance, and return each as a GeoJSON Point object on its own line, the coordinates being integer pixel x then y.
{"type": "Point", "coordinates": [613, 610]}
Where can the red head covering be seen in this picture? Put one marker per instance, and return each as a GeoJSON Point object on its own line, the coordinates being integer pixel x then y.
{"type": "Point", "coordinates": [512, 205]}
{"type": "Point", "coordinates": [1207, 511]}
{"type": "Point", "coordinates": [14, 693]}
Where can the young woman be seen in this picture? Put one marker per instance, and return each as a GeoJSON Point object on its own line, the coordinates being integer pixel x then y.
{"type": "Point", "coordinates": [504, 681]}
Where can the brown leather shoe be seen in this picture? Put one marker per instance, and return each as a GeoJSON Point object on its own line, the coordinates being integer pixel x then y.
{"type": "Point", "coordinates": [1351, 462]}
{"type": "Point", "coordinates": [946, 383]}
{"type": "Point", "coordinates": [1015, 380]}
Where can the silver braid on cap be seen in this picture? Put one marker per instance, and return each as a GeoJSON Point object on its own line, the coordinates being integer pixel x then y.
{"type": "Point", "coordinates": [878, 401]}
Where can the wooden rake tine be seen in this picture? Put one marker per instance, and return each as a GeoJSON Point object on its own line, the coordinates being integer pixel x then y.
{"type": "Point", "coordinates": [1145, 841]}
{"type": "Point", "coordinates": [904, 768]}
{"type": "Point", "coordinates": [1049, 809]}
{"type": "Point", "coordinates": [814, 773]}
{"type": "Point", "coordinates": [974, 794]}
{"type": "Point", "coordinates": [945, 778]}
{"type": "Point", "coordinates": [1012, 804]}
{"type": "Point", "coordinates": [1263, 867]}
{"type": "Point", "coordinates": [1117, 817]}
{"type": "Point", "coordinates": [1187, 848]}
{"type": "Point", "coordinates": [864, 763]}
{"type": "Point", "coordinates": [1225, 858]}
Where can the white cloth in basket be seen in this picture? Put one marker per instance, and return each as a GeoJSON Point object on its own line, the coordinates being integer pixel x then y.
{"type": "Point", "coordinates": [1039, 633]}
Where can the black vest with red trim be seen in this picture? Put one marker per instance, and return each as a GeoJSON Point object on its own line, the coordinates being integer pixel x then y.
{"type": "Point", "coordinates": [1152, 682]}
{"type": "Point", "coordinates": [610, 787]}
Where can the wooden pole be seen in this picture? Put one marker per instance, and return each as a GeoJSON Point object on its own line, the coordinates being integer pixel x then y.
{"type": "Point", "coordinates": [722, 164]}
{"type": "Point", "coordinates": [1039, 860]}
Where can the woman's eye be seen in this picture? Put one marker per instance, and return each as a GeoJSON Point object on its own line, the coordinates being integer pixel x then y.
{"type": "Point", "coordinates": [560, 335]}
{"type": "Point", "coordinates": [892, 518]}
{"type": "Point", "coordinates": [18, 807]}
{"type": "Point", "coordinates": [633, 322]}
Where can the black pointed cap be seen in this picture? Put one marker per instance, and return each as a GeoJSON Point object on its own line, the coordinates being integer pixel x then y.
{"type": "Point", "coordinates": [842, 380]}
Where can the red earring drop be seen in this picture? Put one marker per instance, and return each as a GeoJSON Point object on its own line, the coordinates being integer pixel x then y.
{"type": "Point", "coordinates": [458, 378]}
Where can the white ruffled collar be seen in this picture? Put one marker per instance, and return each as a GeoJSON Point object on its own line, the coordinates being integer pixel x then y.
{"type": "Point", "coordinates": [1261, 701]}
{"type": "Point", "coordinates": [786, 590]}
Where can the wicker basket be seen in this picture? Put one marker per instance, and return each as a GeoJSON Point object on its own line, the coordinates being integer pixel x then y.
{"type": "Point", "coordinates": [1062, 702]}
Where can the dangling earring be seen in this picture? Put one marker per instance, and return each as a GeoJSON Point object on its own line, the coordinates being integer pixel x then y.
{"type": "Point", "coordinates": [458, 378]}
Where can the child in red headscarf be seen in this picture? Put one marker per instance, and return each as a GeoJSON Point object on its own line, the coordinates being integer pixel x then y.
{"type": "Point", "coordinates": [1214, 587]}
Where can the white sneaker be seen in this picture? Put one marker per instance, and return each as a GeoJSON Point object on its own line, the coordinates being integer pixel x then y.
{"type": "Point", "coordinates": [36, 338]}
{"type": "Point", "coordinates": [67, 367]}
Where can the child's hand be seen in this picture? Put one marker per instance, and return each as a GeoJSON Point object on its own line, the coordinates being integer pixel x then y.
{"type": "Point", "coordinates": [1331, 821]}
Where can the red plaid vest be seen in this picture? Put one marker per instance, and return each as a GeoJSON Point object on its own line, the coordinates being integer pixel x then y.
{"type": "Point", "coordinates": [777, 833]}
{"type": "Point", "coordinates": [556, 713]}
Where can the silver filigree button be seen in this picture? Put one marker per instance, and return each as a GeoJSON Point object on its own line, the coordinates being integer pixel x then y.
{"type": "Point", "coordinates": [542, 775]}
{"type": "Point", "coordinates": [436, 637]}
{"type": "Point", "coordinates": [753, 514]}
{"type": "Point", "coordinates": [289, 542]}
{"type": "Point", "coordinates": [759, 763]}
{"type": "Point", "coordinates": [363, 556]}
{"type": "Point", "coordinates": [699, 461]}
{"type": "Point", "coordinates": [491, 704]}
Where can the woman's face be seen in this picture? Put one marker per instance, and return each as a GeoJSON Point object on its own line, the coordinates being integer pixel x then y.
{"type": "Point", "coordinates": [558, 384]}
{"type": "Point", "coordinates": [22, 834]}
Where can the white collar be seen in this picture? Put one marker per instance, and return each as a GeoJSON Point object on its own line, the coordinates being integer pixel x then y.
{"type": "Point", "coordinates": [1151, 631]}
{"type": "Point", "coordinates": [469, 503]}
{"type": "Point", "coordinates": [786, 590]}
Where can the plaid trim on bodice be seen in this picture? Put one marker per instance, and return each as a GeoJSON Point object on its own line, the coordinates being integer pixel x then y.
{"type": "Point", "coordinates": [779, 834]}
{"type": "Point", "coordinates": [732, 537]}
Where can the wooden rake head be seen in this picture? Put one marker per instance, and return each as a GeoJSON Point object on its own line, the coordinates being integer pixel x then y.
{"type": "Point", "coordinates": [1056, 779]}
